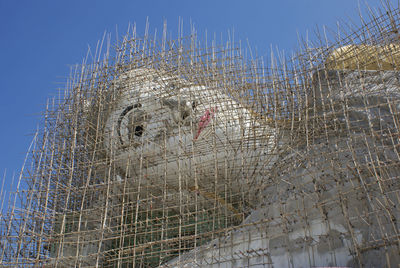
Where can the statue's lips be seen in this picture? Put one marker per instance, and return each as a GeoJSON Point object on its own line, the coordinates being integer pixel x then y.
{"type": "Point", "coordinates": [205, 119]}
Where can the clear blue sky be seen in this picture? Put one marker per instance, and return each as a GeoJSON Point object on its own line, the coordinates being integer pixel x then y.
{"type": "Point", "coordinates": [41, 39]}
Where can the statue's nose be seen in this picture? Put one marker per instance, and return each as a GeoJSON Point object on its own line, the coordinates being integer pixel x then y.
{"type": "Point", "coordinates": [182, 114]}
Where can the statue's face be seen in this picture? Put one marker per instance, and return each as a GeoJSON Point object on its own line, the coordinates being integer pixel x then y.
{"type": "Point", "coordinates": [150, 121]}
{"type": "Point", "coordinates": [157, 115]}
{"type": "Point", "coordinates": [166, 128]}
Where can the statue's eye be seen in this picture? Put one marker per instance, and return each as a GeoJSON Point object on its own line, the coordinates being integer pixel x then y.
{"type": "Point", "coordinates": [131, 124]}
{"type": "Point", "coordinates": [139, 130]}
{"type": "Point", "coordinates": [136, 123]}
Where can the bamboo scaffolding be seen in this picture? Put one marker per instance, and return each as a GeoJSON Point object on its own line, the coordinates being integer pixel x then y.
{"type": "Point", "coordinates": [174, 154]}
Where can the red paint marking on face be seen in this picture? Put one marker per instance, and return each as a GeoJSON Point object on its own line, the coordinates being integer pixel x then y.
{"type": "Point", "coordinates": [205, 120]}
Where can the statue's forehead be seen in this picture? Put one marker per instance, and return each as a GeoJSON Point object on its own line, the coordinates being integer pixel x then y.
{"type": "Point", "coordinates": [148, 82]}
{"type": "Point", "coordinates": [154, 90]}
